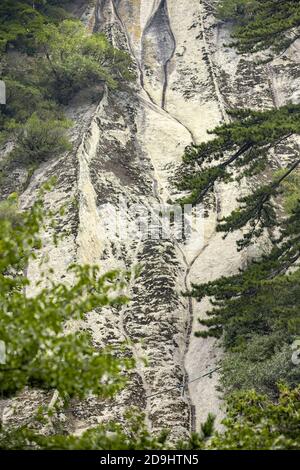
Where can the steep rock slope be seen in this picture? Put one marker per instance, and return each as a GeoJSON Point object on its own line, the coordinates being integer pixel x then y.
{"type": "Point", "coordinates": [129, 147]}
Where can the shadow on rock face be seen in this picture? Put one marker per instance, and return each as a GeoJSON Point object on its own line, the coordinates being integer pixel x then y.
{"type": "Point", "coordinates": [158, 47]}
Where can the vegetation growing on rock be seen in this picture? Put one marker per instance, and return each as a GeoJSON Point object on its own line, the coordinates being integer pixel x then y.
{"type": "Point", "coordinates": [38, 351]}
{"type": "Point", "coordinates": [46, 59]}
{"type": "Point", "coordinates": [254, 422]}
{"type": "Point", "coordinates": [255, 313]}
{"type": "Point", "coordinates": [262, 24]}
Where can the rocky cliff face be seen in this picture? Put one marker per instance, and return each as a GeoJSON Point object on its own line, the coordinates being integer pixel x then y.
{"type": "Point", "coordinates": [130, 146]}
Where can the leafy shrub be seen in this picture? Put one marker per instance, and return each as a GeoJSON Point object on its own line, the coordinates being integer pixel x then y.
{"type": "Point", "coordinates": [9, 212]}
{"type": "Point", "coordinates": [264, 362]}
{"type": "Point", "coordinates": [39, 140]}
{"type": "Point", "coordinates": [254, 422]}
{"type": "Point", "coordinates": [38, 350]}
{"type": "Point", "coordinates": [20, 21]}
{"type": "Point", "coordinates": [23, 100]}
{"type": "Point", "coordinates": [72, 60]}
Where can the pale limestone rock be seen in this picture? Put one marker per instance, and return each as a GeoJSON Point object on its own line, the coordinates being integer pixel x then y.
{"type": "Point", "coordinates": [130, 146]}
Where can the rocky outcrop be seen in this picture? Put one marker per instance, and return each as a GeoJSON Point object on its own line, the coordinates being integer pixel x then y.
{"type": "Point", "coordinates": [129, 147]}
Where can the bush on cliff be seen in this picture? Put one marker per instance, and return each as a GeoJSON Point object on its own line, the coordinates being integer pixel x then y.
{"type": "Point", "coordinates": [46, 59]}
{"type": "Point", "coordinates": [40, 352]}
{"type": "Point", "coordinates": [254, 422]}
{"type": "Point", "coordinates": [72, 59]}
{"type": "Point", "coordinates": [38, 140]}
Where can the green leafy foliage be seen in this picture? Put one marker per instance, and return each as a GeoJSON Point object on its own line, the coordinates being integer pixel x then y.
{"type": "Point", "coordinates": [73, 59]}
{"type": "Point", "coordinates": [290, 191]}
{"type": "Point", "coordinates": [38, 349]}
{"type": "Point", "coordinates": [38, 140]}
{"type": "Point", "coordinates": [254, 422]}
{"type": "Point", "coordinates": [47, 58]}
{"type": "Point", "coordinates": [111, 436]}
{"type": "Point", "coordinates": [19, 23]}
{"type": "Point", "coordinates": [21, 20]}
{"type": "Point", "coordinates": [23, 100]}
{"type": "Point", "coordinates": [262, 24]}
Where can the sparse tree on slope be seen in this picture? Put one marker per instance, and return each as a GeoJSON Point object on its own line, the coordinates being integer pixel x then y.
{"type": "Point", "coordinates": [262, 24]}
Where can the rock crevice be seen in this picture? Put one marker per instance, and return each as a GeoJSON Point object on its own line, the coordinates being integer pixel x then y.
{"type": "Point", "coordinates": [130, 147]}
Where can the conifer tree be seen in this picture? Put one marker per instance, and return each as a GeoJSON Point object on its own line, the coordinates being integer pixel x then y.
{"type": "Point", "coordinates": [256, 311]}
{"type": "Point", "coordinates": [262, 24]}
{"type": "Point", "coordinates": [243, 148]}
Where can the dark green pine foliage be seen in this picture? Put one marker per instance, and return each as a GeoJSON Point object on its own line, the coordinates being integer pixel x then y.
{"type": "Point", "coordinates": [262, 298]}
{"type": "Point", "coordinates": [254, 422]}
{"type": "Point", "coordinates": [262, 24]}
{"type": "Point", "coordinates": [256, 312]}
{"type": "Point", "coordinates": [21, 20]}
{"type": "Point", "coordinates": [242, 148]}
